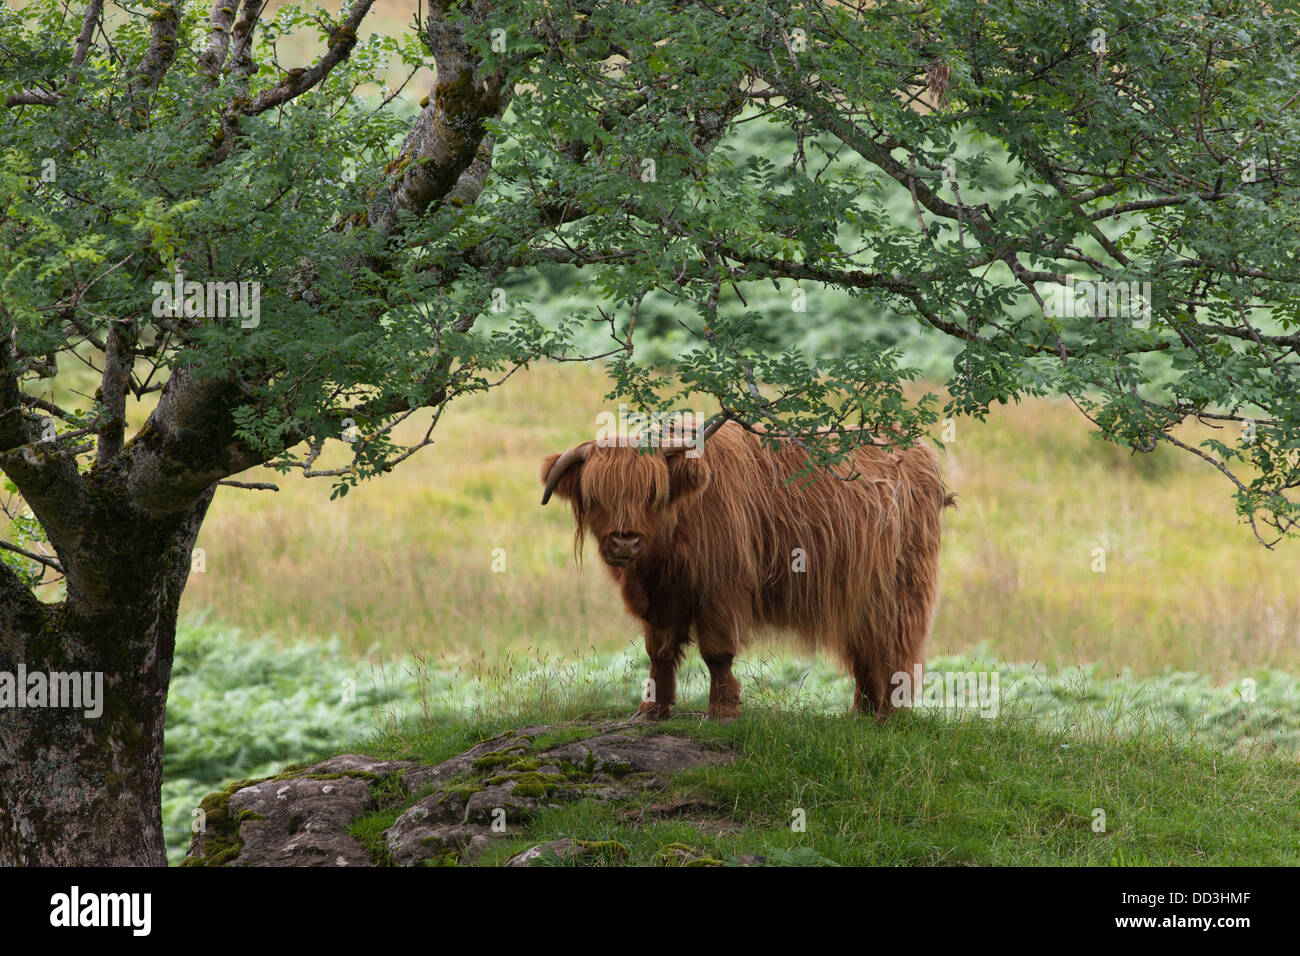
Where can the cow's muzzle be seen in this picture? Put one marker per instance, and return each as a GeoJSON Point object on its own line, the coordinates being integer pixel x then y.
{"type": "Point", "coordinates": [621, 548]}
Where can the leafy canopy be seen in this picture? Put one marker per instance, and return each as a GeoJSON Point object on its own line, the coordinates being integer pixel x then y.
{"type": "Point", "coordinates": [957, 165]}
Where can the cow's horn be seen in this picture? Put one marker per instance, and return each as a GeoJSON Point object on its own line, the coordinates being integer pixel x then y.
{"type": "Point", "coordinates": [680, 444]}
{"type": "Point", "coordinates": [714, 425]}
{"type": "Point", "coordinates": [574, 456]}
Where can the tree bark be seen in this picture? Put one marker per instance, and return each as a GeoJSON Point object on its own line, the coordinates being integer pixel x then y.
{"type": "Point", "coordinates": [79, 789]}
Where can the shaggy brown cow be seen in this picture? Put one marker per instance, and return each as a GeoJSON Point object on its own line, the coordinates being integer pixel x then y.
{"type": "Point", "coordinates": [711, 547]}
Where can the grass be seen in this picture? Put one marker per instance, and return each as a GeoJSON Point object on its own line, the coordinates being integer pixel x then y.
{"type": "Point", "coordinates": [405, 564]}
{"type": "Point", "coordinates": [810, 788]}
{"type": "Point", "coordinates": [1155, 748]}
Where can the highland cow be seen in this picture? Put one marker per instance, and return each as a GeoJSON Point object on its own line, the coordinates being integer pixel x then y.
{"type": "Point", "coordinates": [711, 548]}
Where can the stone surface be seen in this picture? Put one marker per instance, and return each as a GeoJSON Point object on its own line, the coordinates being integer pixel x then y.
{"type": "Point", "coordinates": [565, 849]}
{"type": "Point", "coordinates": [422, 777]}
{"type": "Point", "coordinates": [302, 819]}
{"type": "Point", "coordinates": [413, 845]}
{"type": "Point", "coordinates": [653, 753]}
{"type": "Point", "coordinates": [492, 789]}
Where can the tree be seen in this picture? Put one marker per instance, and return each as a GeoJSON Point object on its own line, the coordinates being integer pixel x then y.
{"type": "Point", "coordinates": [1097, 200]}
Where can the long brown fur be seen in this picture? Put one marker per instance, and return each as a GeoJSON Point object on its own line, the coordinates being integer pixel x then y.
{"type": "Point", "coordinates": [719, 535]}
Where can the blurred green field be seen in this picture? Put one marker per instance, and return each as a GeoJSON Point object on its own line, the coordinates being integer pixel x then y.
{"type": "Point", "coordinates": [405, 564]}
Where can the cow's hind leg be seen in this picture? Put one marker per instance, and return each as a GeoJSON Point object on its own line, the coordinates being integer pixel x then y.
{"type": "Point", "coordinates": [900, 659]}
{"type": "Point", "coordinates": [870, 675]}
{"type": "Point", "coordinates": [887, 656]}
{"type": "Point", "coordinates": [718, 648]}
{"type": "Point", "coordinates": [665, 647]}
{"type": "Point", "coordinates": [883, 666]}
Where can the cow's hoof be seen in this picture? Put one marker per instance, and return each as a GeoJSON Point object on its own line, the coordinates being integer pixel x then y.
{"type": "Point", "coordinates": [652, 713]}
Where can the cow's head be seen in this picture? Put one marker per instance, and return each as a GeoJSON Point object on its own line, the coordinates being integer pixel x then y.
{"type": "Point", "coordinates": [629, 498]}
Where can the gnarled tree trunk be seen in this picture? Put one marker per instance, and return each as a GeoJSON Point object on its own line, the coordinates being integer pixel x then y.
{"type": "Point", "coordinates": [82, 785]}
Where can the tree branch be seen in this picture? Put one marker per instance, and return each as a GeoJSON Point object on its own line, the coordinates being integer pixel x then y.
{"type": "Point", "coordinates": [297, 82]}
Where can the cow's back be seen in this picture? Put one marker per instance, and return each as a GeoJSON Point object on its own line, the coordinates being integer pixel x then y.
{"type": "Point", "coordinates": [817, 556]}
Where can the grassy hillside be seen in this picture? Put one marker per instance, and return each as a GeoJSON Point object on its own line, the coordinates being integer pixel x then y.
{"type": "Point", "coordinates": [1185, 772]}
{"type": "Point", "coordinates": [812, 789]}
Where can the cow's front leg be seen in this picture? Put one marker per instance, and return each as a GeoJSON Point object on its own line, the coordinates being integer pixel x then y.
{"type": "Point", "coordinates": [718, 650]}
{"type": "Point", "coordinates": [724, 689]}
{"type": "Point", "coordinates": [665, 649]}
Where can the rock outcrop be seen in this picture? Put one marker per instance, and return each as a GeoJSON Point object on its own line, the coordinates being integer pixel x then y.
{"type": "Point", "coordinates": [333, 813]}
